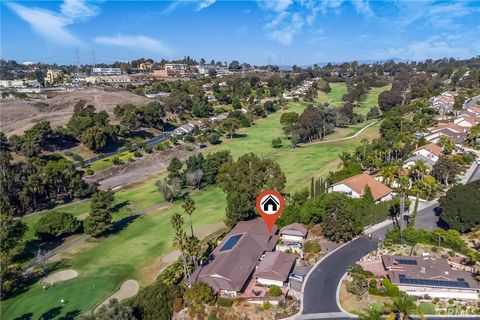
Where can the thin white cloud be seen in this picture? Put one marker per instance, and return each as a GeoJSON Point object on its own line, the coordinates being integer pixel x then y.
{"type": "Point", "coordinates": [362, 6]}
{"type": "Point", "coordinates": [434, 47]}
{"type": "Point", "coordinates": [139, 42]}
{"type": "Point", "coordinates": [78, 9]}
{"type": "Point", "coordinates": [439, 15]}
{"type": "Point", "coordinates": [274, 5]}
{"type": "Point", "coordinates": [205, 4]}
{"type": "Point", "coordinates": [46, 23]}
{"type": "Point", "coordinates": [286, 34]}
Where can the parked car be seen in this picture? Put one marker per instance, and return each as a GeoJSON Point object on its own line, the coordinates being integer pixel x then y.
{"type": "Point", "coordinates": [296, 277]}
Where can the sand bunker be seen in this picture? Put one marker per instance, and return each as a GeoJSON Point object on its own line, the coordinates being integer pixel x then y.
{"type": "Point", "coordinates": [60, 276]}
{"type": "Point", "coordinates": [128, 289]}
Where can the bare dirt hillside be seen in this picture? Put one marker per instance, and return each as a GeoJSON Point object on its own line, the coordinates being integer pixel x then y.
{"type": "Point", "coordinates": [16, 116]}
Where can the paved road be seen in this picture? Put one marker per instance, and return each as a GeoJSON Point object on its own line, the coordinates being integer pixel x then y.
{"type": "Point", "coordinates": [149, 143]}
{"type": "Point", "coordinates": [475, 175]}
{"type": "Point", "coordinates": [427, 218]}
{"type": "Point", "coordinates": [321, 286]}
{"type": "Point", "coordinates": [471, 102]}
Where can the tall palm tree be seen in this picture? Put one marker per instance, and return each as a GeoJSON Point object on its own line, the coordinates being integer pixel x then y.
{"type": "Point", "coordinates": [179, 240]}
{"type": "Point", "coordinates": [189, 206]}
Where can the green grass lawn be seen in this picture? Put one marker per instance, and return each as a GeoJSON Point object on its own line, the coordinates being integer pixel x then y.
{"type": "Point", "coordinates": [107, 162]}
{"type": "Point", "coordinates": [106, 263]}
{"type": "Point", "coordinates": [135, 251]}
{"type": "Point", "coordinates": [371, 99]}
{"type": "Point", "coordinates": [426, 308]}
{"type": "Point", "coordinates": [334, 97]}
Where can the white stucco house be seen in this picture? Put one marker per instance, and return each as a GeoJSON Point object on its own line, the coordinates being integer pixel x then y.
{"type": "Point", "coordinates": [355, 187]}
{"type": "Point", "coordinates": [430, 151]}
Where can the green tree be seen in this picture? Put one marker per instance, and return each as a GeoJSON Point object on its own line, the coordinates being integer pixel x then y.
{"type": "Point", "coordinates": [460, 206]}
{"type": "Point", "coordinates": [243, 180]}
{"type": "Point", "coordinates": [180, 240]}
{"type": "Point", "coordinates": [99, 220]}
{"type": "Point", "coordinates": [56, 224]}
{"type": "Point", "coordinates": [230, 125]}
{"type": "Point", "coordinates": [188, 206]}
{"type": "Point", "coordinates": [199, 294]}
{"type": "Point", "coordinates": [339, 222]}
{"type": "Point", "coordinates": [12, 232]}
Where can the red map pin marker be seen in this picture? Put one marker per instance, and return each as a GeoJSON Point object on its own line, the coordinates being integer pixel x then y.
{"type": "Point", "coordinates": [270, 205]}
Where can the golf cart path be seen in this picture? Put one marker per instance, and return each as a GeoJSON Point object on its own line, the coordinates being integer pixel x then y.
{"type": "Point", "coordinates": [345, 138]}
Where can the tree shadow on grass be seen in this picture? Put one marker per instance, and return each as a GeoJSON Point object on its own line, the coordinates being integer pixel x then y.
{"type": "Point", "coordinates": [26, 316]}
{"type": "Point", "coordinates": [120, 205]}
{"type": "Point", "coordinates": [70, 315]}
{"type": "Point", "coordinates": [122, 224]}
{"type": "Point", "coordinates": [51, 314]}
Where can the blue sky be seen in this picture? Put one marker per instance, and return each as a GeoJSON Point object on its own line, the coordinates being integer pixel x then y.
{"type": "Point", "coordinates": [282, 32]}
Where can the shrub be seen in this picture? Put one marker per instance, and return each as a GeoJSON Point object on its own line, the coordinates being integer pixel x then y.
{"type": "Point", "coordinates": [274, 291]}
{"type": "Point", "coordinates": [212, 316]}
{"type": "Point", "coordinates": [213, 138]}
{"type": "Point", "coordinates": [189, 138]}
{"type": "Point", "coordinates": [137, 154]}
{"type": "Point", "coordinates": [199, 293]}
{"type": "Point", "coordinates": [147, 149]}
{"type": "Point", "coordinates": [267, 305]}
{"type": "Point", "coordinates": [116, 161]}
{"type": "Point", "coordinates": [312, 247]}
{"type": "Point", "coordinates": [434, 249]}
{"type": "Point", "coordinates": [89, 172]}
{"type": "Point", "coordinates": [56, 224]}
{"type": "Point", "coordinates": [277, 142]}
{"type": "Point", "coordinates": [224, 302]}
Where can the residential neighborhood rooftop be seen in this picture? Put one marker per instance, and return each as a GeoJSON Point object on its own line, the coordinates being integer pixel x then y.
{"type": "Point", "coordinates": [360, 181]}
{"type": "Point", "coordinates": [234, 259]}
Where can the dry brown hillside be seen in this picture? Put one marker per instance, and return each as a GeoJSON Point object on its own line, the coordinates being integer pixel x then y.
{"type": "Point", "coordinates": [16, 116]}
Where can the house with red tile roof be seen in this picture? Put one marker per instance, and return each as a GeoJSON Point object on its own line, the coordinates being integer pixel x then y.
{"type": "Point", "coordinates": [355, 187]}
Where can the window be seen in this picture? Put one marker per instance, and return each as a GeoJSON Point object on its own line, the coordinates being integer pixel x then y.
{"type": "Point", "coordinates": [231, 242]}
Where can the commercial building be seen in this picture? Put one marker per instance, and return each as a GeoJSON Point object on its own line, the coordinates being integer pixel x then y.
{"type": "Point", "coordinates": [106, 71]}
{"type": "Point", "coordinates": [108, 79]}
{"type": "Point", "coordinates": [355, 187]}
{"type": "Point", "coordinates": [172, 70]}
{"type": "Point", "coordinates": [53, 76]}
{"type": "Point", "coordinates": [429, 276]}
{"type": "Point", "coordinates": [219, 70]}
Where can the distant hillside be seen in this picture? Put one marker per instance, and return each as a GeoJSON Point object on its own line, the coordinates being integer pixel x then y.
{"type": "Point", "coordinates": [16, 116]}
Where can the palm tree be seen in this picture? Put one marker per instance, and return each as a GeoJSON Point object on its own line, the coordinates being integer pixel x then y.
{"type": "Point", "coordinates": [388, 173]}
{"type": "Point", "coordinates": [404, 305]}
{"type": "Point", "coordinates": [418, 170]}
{"type": "Point", "coordinates": [179, 240]}
{"type": "Point", "coordinates": [189, 206]}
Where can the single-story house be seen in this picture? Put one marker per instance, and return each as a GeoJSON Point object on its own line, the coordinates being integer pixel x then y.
{"type": "Point", "coordinates": [474, 111]}
{"type": "Point", "coordinates": [466, 121]}
{"type": "Point", "coordinates": [429, 276]}
{"type": "Point", "coordinates": [233, 261]}
{"type": "Point", "coordinates": [275, 268]}
{"type": "Point", "coordinates": [410, 162]}
{"type": "Point", "coordinates": [355, 187]}
{"type": "Point", "coordinates": [295, 232]}
{"type": "Point", "coordinates": [430, 151]}
{"type": "Point", "coordinates": [457, 137]}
